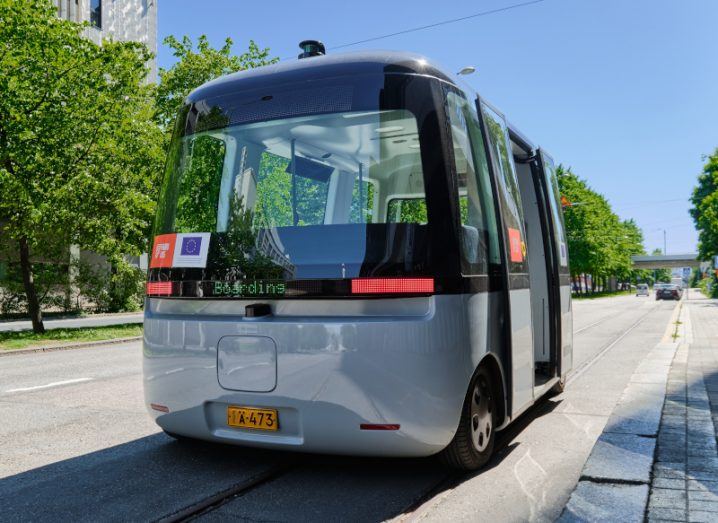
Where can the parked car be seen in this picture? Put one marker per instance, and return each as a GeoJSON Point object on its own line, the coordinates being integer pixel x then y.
{"type": "Point", "coordinates": [669, 292]}
{"type": "Point", "coordinates": [642, 290]}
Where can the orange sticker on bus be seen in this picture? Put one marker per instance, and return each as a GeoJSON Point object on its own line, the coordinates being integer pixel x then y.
{"type": "Point", "coordinates": [515, 254]}
{"type": "Point", "coordinates": [163, 250]}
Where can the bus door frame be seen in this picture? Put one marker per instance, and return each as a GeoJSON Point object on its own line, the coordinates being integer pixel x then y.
{"type": "Point", "coordinates": [543, 190]}
{"type": "Point", "coordinates": [563, 328]}
{"type": "Point", "coordinates": [507, 349]}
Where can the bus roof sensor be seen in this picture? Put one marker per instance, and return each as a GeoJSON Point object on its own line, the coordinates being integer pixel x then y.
{"type": "Point", "coordinates": [311, 48]}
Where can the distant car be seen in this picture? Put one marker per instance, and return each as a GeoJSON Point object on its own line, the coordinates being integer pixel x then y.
{"type": "Point", "coordinates": [668, 292]}
{"type": "Point", "coordinates": [642, 290]}
{"type": "Point", "coordinates": [677, 282]}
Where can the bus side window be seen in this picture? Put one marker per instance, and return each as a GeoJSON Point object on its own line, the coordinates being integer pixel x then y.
{"type": "Point", "coordinates": [556, 210]}
{"type": "Point", "coordinates": [196, 205]}
{"type": "Point", "coordinates": [508, 189]}
{"type": "Point", "coordinates": [282, 198]}
{"type": "Point", "coordinates": [479, 237]}
{"type": "Point", "coordinates": [406, 210]}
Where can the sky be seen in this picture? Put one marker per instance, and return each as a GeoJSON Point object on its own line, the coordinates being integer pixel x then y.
{"type": "Point", "coordinates": [625, 92]}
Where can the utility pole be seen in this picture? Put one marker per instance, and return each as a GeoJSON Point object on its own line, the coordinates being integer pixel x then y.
{"type": "Point", "coordinates": [664, 242]}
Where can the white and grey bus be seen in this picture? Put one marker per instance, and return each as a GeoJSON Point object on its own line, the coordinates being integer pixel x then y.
{"type": "Point", "coordinates": [353, 255]}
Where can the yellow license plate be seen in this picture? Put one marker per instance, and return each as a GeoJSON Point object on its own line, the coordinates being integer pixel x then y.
{"type": "Point", "coordinates": [249, 418]}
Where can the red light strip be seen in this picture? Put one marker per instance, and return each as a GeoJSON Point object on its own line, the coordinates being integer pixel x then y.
{"type": "Point", "coordinates": [374, 426]}
{"type": "Point", "coordinates": [393, 286]}
{"type": "Point", "coordinates": [158, 407]}
{"type": "Point", "coordinates": [160, 288]}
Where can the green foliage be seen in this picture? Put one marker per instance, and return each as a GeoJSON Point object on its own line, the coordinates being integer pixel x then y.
{"type": "Point", "coordinates": [696, 277]}
{"type": "Point", "coordinates": [196, 66]}
{"type": "Point", "coordinates": [660, 275]}
{"type": "Point", "coordinates": [407, 210]}
{"type": "Point", "coordinates": [238, 248]}
{"type": "Point", "coordinates": [26, 339]}
{"type": "Point", "coordinates": [362, 203]}
{"type": "Point", "coordinates": [707, 285]}
{"type": "Point", "coordinates": [705, 208]}
{"type": "Point", "coordinates": [274, 192]}
{"type": "Point", "coordinates": [111, 289]}
{"type": "Point", "coordinates": [78, 153]}
{"type": "Point", "coordinates": [599, 243]}
{"type": "Point", "coordinates": [199, 185]}
{"type": "Point", "coordinates": [51, 281]}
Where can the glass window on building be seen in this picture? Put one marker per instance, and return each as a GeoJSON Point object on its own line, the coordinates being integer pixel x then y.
{"type": "Point", "coordinates": [96, 13]}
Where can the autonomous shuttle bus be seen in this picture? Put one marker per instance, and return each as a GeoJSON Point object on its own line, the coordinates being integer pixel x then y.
{"type": "Point", "coordinates": [353, 255]}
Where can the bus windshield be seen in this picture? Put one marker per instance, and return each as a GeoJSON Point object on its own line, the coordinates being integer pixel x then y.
{"type": "Point", "coordinates": [308, 197]}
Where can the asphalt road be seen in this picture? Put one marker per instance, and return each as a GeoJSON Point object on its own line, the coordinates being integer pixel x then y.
{"type": "Point", "coordinates": [95, 320]}
{"type": "Point", "coordinates": [76, 444]}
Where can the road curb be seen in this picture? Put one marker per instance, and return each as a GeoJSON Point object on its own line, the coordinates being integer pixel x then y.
{"type": "Point", "coordinates": [83, 345]}
{"type": "Point", "coordinates": [615, 480]}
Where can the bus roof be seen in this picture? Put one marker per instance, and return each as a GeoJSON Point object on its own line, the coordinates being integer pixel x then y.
{"type": "Point", "coordinates": [331, 65]}
{"type": "Point", "coordinates": [334, 65]}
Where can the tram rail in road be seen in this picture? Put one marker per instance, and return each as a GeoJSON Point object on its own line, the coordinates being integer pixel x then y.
{"type": "Point", "coordinates": [447, 482]}
{"type": "Point", "coordinates": [203, 480]}
{"type": "Point", "coordinates": [580, 369]}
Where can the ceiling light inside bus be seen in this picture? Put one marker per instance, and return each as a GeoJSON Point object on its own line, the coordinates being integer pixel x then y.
{"type": "Point", "coordinates": [389, 129]}
{"type": "Point", "coordinates": [373, 114]}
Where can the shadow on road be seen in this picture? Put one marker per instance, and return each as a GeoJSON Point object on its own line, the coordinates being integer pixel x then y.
{"type": "Point", "coordinates": [155, 476]}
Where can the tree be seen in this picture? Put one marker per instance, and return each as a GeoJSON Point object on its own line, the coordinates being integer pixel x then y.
{"type": "Point", "coordinates": [631, 244]}
{"type": "Point", "coordinates": [197, 66]}
{"type": "Point", "coordinates": [79, 152]}
{"type": "Point", "coordinates": [599, 243]}
{"type": "Point", "coordinates": [705, 208]}
{"type": "Point", "coordinates": [661, 275]}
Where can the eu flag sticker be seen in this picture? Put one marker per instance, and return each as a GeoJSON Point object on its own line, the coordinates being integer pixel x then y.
{"type": "Point", "coordinates": [191, 250]}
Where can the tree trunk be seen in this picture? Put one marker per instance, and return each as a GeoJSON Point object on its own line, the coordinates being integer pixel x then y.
{"type": "Point", "coordinates": [33, 304]}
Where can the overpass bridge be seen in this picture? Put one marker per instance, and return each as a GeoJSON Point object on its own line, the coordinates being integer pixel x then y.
{"type": "Point", "coordinates": [666, 261]}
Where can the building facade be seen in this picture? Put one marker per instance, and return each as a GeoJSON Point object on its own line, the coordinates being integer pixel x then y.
{"type": "Point", "coordinates": [123, 20]}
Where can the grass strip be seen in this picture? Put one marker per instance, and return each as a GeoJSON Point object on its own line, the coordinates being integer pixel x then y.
{"type": "Point", "coordinates": [26, 339]}
{"type": "Point", "coordinates": [602, 294]}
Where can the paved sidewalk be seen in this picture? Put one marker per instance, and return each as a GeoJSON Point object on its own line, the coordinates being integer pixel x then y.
{"type": "Point", "coordinates": [684, 485]}
{"type": "Point", "coordinates": [93, 320]}
{"type": "Point", "coordinates": [615, 481]}
{"type": "Point", "coordinates": [657, 458]}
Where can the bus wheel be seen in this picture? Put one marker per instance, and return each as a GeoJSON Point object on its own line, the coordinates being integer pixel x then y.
{"type": "Point", "coordinates": [474, 440]}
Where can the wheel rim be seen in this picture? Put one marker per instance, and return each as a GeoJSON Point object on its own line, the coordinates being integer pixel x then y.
{"type": "Point", "coordinates": [482, 424]}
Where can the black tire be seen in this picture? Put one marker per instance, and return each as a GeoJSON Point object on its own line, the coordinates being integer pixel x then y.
{"type": "Point", "coordinates": [473, 443]}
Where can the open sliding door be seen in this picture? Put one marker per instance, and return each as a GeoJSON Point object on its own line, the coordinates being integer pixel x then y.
{"type": "Point", "coordinates": [514, 259]}
{"type": "Point", "coordinates": [560, 281]}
